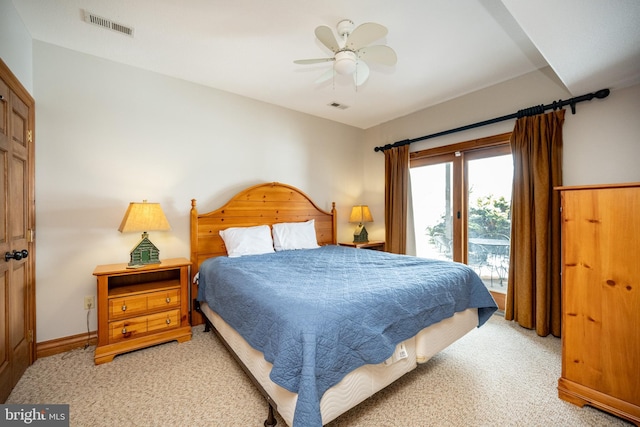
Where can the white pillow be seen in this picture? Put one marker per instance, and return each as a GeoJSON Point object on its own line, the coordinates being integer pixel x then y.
{"type": "Point", "coordinates": [294, 235]}
{"type": "Point", "coordinates": [247, 240]}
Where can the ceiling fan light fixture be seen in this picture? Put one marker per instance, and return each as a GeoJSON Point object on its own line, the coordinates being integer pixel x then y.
{"type": "Point", "coordinates": [353, 52]}
{"type": "Point", "coordinates": [345, 63]}
{"type": "Point", "coordinates": [345, 27]}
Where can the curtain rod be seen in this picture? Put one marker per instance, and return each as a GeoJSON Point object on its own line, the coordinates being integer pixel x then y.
{"type": "Point", "coordinates": [531, 111]}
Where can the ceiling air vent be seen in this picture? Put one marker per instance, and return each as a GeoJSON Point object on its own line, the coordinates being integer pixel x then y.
{"type": "Point", "coordinates": [94, 19]}
{"type": "Point", "coordinates": [338, 106]}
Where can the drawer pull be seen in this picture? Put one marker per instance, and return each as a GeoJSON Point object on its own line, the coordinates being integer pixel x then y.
{"type": "Point", "coordinates": [168, 321]}
{"type": "Point", "coordinates": [124, 307]}
{"type": "Point", "coordinates": [168, 300]}
{"type": "Point", "coordinates": [124, 330]}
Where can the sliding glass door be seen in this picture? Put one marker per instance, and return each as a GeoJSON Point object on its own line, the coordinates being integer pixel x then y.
{"type": "Point", "coordinates": [462, 206]}
{"type": "Point", "coordinates": [432, 196]}
{"type": "Point", "coordinates": [489, 180]}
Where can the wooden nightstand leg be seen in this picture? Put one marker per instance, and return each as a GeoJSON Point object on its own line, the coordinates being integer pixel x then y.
{"type": "Point", "coordinates": [99, 360]}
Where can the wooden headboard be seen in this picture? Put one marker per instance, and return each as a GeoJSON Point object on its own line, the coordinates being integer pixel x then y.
{"type": "Point", "coordinates": [257, 205]}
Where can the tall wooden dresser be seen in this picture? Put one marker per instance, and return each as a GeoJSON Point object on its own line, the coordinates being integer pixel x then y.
{"type": "Point", "coordinates": [601, 298]}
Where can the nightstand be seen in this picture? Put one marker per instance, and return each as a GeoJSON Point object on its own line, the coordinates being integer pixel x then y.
{"type": "Point", "coordinates": [141, 307]}
{"type": "Point", "coordinates": [376, 245]}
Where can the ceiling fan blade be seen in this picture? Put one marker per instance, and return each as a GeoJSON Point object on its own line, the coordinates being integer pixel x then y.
{"type": "Point", "coordinates": [325, 35]}
{"type": "Point", "coordinates": [362, 73]}
{"type": "Point", "coordinates": [326, 76]}
{"type": "Point", "coordinates": [365, 34]}
{"type": "Point", "coordinates": [380, 54]}
{"type": "Point", "coordinates": [312, 61]}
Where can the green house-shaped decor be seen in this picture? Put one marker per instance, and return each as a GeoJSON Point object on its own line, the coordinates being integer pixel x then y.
{"type": "Point", "coordinates": [144, 253]}
{"type": "Point", "coordinates": [360, 235]}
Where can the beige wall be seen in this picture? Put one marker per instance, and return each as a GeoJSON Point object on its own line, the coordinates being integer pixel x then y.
{"type": "Point", "coordinates": [15, 44]}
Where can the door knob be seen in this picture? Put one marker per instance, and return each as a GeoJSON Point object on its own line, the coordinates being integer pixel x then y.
{"type": "Point", "coordinates": [17, 255]}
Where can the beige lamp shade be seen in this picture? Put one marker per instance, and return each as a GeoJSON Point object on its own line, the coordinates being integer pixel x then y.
{"type": "Point", "coordinates": [144, 217]}
{"type": "Point", "coordinates": [360, 214]}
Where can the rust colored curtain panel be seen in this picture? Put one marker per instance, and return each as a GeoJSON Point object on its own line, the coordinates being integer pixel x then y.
{"type": "Point", "coordinates": [533, 293]}
{"type": "Point", "coordinates": [395, 205]}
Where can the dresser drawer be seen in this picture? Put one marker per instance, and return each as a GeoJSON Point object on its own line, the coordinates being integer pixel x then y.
{"type": "Point", "coordinates": [132, 305]}
{"type": "Point", "coordinates": [136, 326]}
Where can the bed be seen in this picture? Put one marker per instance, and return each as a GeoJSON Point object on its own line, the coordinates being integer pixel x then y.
{"type": "Point", "coordinates": [320, 327]}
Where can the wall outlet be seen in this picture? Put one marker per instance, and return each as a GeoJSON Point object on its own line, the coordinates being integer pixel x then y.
{"type": "Point", "coordinates": [89, 302]}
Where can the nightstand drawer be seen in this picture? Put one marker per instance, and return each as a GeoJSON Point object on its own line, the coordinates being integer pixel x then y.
{"type": "Point", "coordinates": [163, 299]}
{"type": "Point", "coordinates": [134, 327]}
{"type": "Point", "coordinates": [127, 306]}
{"type": "Point", "coordinates": [133, 305]}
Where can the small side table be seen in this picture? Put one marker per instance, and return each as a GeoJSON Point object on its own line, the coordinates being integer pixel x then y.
{"type": "Point", "coordinates": [141, 307]}
{"type": "Point", "coordinates": [376, 245]}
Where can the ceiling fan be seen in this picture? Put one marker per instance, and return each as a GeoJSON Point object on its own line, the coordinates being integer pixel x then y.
{"type": "Point", "coordinates": [352, 51]}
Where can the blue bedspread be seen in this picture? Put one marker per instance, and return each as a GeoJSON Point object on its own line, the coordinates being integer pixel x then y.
{"type": "Point", "coordinates": [318, 314]}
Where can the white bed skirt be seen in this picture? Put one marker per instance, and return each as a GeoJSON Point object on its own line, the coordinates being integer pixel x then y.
{"type": "Point", "coordinates": [359, 384]}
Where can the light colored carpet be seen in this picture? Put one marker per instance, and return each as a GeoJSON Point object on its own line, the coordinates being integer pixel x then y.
{"type": "Point", "coordinates": [498, 375]}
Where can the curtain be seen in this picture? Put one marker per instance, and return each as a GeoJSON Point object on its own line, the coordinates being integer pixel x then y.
{"type": "Point", "coordinates": [396, 164]}
{"type": "Point", "coordinates": [533, 293]}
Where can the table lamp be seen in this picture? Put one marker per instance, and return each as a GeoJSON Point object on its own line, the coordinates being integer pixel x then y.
{"type": "Point", "coordinates": [144, 217]}
{"type": "Point", "coordinates": [360, 214]}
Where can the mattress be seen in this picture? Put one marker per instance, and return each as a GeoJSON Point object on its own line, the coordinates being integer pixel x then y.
{"type": "Point", "coordinates": [318, 314]}
{"type": "Point", "coordinates": [359, 384]}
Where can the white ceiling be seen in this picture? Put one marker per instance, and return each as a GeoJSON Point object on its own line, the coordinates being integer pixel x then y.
{"type": "Point", "coordinates": [445, 48]}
